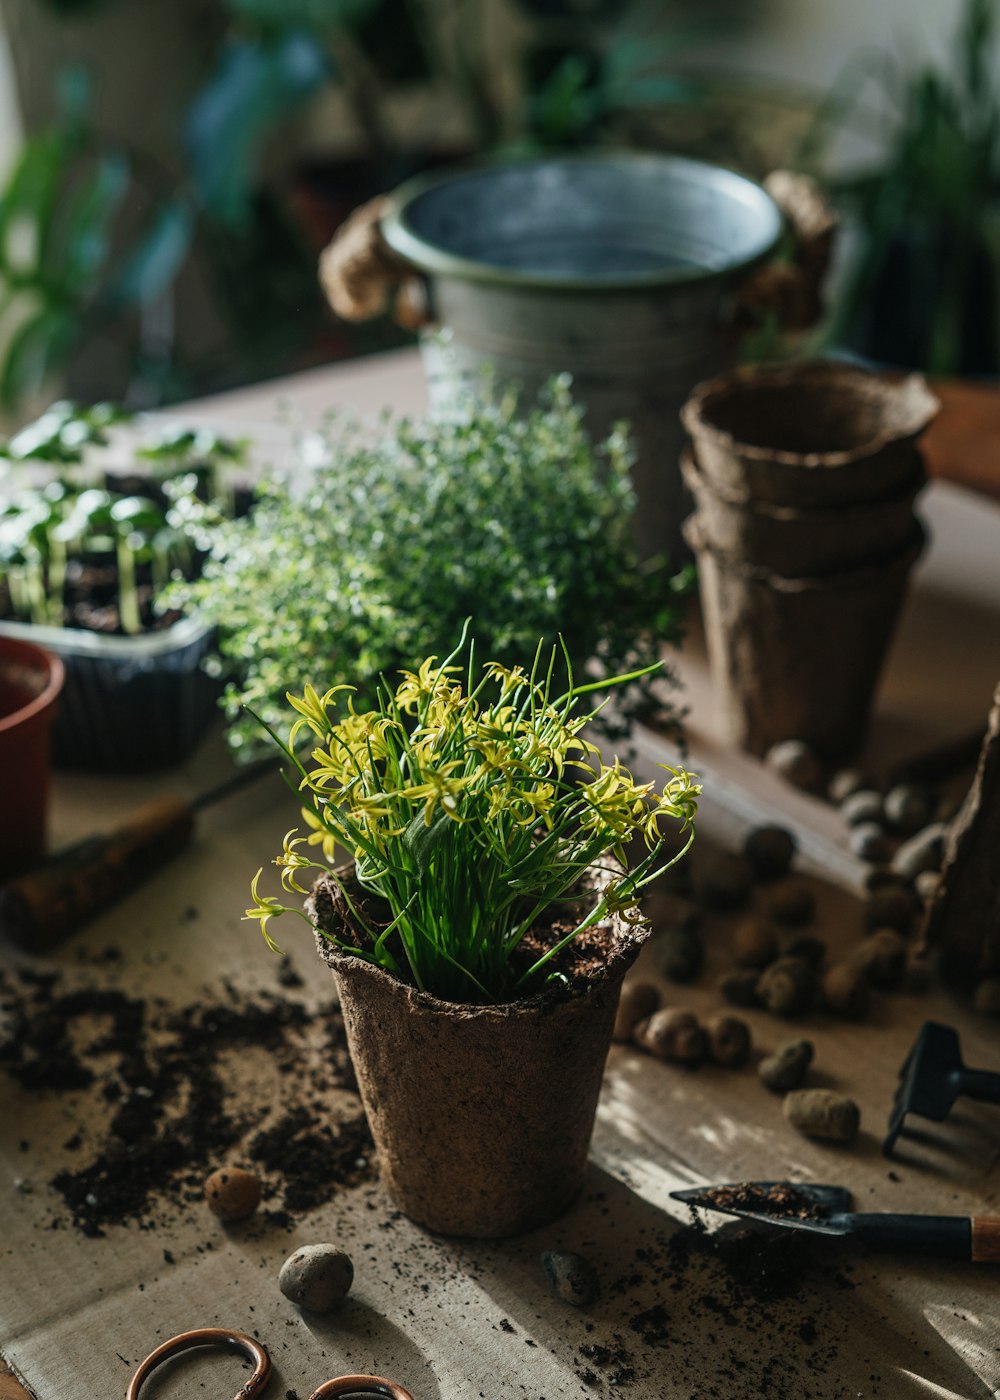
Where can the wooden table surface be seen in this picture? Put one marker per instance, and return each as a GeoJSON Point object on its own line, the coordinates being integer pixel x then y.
{"type": "Point", "coordinates": [455, 1319]}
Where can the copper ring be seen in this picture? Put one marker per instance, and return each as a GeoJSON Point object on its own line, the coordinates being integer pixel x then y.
{"type": "Point", "coordinates": [208, 1337]}
{"type": "Point", "coordinates": [361, 1385]}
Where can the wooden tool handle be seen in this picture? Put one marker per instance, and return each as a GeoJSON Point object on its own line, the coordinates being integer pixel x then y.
{"type": "Point", "coordinates": [11, 1388]}
{"type": "Point", "coordinates": [50, 902]}
{"type": "Point", "coordinates": [986, 1239]}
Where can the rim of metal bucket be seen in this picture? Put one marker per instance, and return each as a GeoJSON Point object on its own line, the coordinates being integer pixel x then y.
{"type": "Point", "coordinates": [403, 239]}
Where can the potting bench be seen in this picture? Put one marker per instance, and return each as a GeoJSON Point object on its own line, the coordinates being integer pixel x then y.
{"type": "Point", "coordinates": [453, 1320]}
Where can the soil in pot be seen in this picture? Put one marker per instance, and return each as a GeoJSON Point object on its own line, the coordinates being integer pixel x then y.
{"type": "Point", "coordinates": [482, 1114]}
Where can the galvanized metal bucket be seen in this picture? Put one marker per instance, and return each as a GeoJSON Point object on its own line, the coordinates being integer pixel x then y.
{"type": "Point", "coordinates": [615, 268]}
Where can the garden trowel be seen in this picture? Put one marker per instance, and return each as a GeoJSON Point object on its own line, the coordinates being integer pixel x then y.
{"type": "Point", "coordinates": [826, 1210]}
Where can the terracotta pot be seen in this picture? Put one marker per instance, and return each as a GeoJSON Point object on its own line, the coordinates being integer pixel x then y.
{"type": "Point", "coordinates": [798, 658]}
{"type": "Point", "coordinates": [793, 540]}
{"type": "Point", "coordinates": [814, 434]}
{"type": "Point", "coordinates": [30, 682]}
{"type": "Point", "coordinates": [481, 1115]}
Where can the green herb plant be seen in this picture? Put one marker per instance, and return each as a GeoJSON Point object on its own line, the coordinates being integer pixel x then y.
{"type": "Point", "coordinates": [471, 809]}
{"type": "Point", "coordinates": [514, 519]}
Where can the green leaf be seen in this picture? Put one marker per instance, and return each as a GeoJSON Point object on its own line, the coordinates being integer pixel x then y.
{"type": "Point", "coordinates": [422, 840]}
{"type": "Point", "coordinates": [35, 351]}
{"type": "Point", "coordinates": [78, 239]}
{"type": "Point", "coordinates": [31, 194]}
{"type": "Point", "coordinates": [157, 259]}
{"type": "Point", "coordinates": [254, 87]}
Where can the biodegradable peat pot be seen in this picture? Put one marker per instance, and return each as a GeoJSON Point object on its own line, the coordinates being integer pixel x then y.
{"type": "Point", "coordinates": [820, 433]}
{"type": "Point", "coordinates": [481, 1115]}
{"type": "Point", "coordinates": [30, 682]}
{"type": "Point", "coordinates": [798, 658]}
{"type": "Point", "coordinates": [795, 541]}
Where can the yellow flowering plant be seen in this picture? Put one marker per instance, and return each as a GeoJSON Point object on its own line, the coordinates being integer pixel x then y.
{"type": "Point", "coordinates": [472, 809]}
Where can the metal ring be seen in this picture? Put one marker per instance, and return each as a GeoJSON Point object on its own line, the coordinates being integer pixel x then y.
{"type": "Point", "coordinates": [208, 1337]}
{"type": "Point", "coordinates": [361, 1385]}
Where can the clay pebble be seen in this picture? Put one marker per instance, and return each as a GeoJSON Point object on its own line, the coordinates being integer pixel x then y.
{"type": "Point", "coordinates": [881, 957]}
{"type": "Point", "coordinates": [317, 1277]}
{"type": "Point", "coordinates": [820, 1113]}
{"type": "Point", "coordinates": [770, 851]}
{"type": "Point", "coordinates": [918, 975]}
{"type": "Point", "coordinates": [787, 1068]}
{"type": "Point", "coordinates": [909, 807]}
{"type": "Point", "coordinates": [673, 1034]}
{"type": "Point", "coordinates": [845, 783]}
{"type": "Point", "coordinates": [790, 903]}
{"type": "Point", "coordinates": [755, 943]}
{"type": "Point", "coordinates": [232, 1193]}
{"type": "Point", "coordinates": [869, 842]}
{"type": "Point", "coordinates": [926, 884]}
{"type": "Point", "coordinates": [803, 945]}
{"type": "Point", "coordinates": [891, 906]}
{"type": "Point", "coordinates": [986, 998]}
{"type": "Point", "coordinates": [740, 988]}
{"type": "Point", "coordinates": [925, 851]}
{"type": "Point", "coordinates": [787, 987]}
{"type": "Point", "coordinates": [572, 1278]}
{"type": "Point", "coordinates": [797, 763]}
{"type": "Point", "coordinates": [637, 1003]}
{"type": "Point", "coordinates": [729, 1041]}
{"type": "Point", "coordinates": [679, 953]}
{"type": "Point", "coordinates": [723, 881]}
{"type": "Point", "coordinates": [845, 991]}
{"type": "Point", "coordinates": [864, 805]}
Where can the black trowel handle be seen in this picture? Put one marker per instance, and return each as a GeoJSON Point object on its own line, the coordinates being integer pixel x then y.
{"type": "Point", "coordinates": [981, 1084]}
{"type": "Point", "coordinates": [974, 1237]}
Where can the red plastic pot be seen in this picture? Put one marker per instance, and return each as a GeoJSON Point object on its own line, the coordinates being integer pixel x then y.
{"type": "Point", "coordinates": [30, 682]}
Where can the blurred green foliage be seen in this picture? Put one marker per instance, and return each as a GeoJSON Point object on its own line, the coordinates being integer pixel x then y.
{"type": "Point", "coordinates": [923, 286]}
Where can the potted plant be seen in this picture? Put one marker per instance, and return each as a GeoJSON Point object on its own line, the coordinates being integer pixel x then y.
{"type": "Point", "coordinates": [30, 682]}
{"type": "Point", "coordinates": [377, 555]}
{"type": "Point", "coordinates": [480, 936]}
{"type": "Point", "coordinates": [85, 556]}
{"type": "Point", "coordinates": [921, 285]}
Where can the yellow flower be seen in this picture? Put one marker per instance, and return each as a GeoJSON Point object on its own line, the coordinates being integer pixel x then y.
{"type": "Point", "coordinates": [313, 711]}
{"type": "Point", "coordinates": [319, 835]}
{"type": "Point", "coordinates": [265, 908]}
{"type": "Point", "coordinates": [532, 805]}
{"type": "Point", "coordinates": [290, 862]}
{"type": "Point", "coordinates": [417, 687]}
{"type": "Point", "coordinates": [439, 788]}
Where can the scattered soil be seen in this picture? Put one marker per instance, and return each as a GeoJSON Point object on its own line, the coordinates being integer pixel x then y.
{"type": "Point", "coordinates": [156, 1096]}
{"type": "Point", "coordinates": [693, 1297]}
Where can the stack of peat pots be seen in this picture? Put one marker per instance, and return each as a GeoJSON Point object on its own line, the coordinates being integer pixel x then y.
{"type": "Point", "coordinates": [804, 478]}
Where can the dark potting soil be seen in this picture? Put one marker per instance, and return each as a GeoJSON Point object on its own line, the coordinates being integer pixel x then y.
{"type": "Point", "coordinates": [578, 963]}
{"type": "Point", "coordinates": [780, 1200]}
{"type": "Point", "coordinates": [157, 1100]}
{"type": "Point", "coordinates": [91, 602]}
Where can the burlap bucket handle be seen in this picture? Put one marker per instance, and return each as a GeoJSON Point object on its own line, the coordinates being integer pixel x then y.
{"type": "Point", "coordinates": [791, 290]}
{"type": "Point", "coordinates": [362, 277]}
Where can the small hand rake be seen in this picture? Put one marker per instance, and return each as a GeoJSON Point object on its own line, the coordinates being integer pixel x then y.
{"type": "Point", "coordinates": [933, 1076]}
